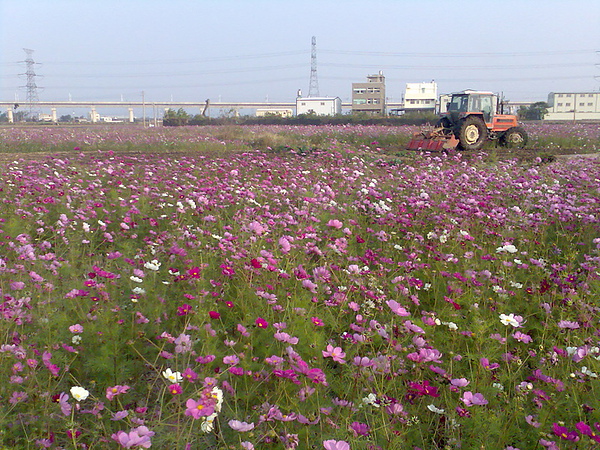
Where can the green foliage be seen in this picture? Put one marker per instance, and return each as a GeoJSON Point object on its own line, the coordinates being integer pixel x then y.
{"type": "Point", "coordinates": [537, 111]}
{"type": "Point", "coordinates": [173, 118]}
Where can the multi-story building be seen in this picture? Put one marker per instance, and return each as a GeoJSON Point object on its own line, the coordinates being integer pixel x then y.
{"type": "Point", "coordinates": [420, 97]}
{"type": "Point", "coordinates": [369, 97]}
{"type": "Point", "coordinates": [573, 106]}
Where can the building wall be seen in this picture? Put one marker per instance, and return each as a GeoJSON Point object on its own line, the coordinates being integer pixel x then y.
{"type": "Point", "coordinates": [369, 97]}
{"type": "Point", "coordinates": [276, 112]}
{"type": "Point", "coordinates": [321, 106]}
{"type": "Point", "coordinates": [420, 96]}
{"type": "Point", "coordinates": [573, 106]}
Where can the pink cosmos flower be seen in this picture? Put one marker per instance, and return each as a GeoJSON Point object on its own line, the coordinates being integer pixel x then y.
{"type": "Point", "coordinates": [231, 359]}
{"type": "Point", "coordinates": [360, 429]}
{"type": "Point", "coordinates": [113, 391]}
{"type": "Point", "coordinates": [65, 406]}
{"type": "Point", "coordinates": [397, 308]}
{"type": "Point", "coordinates": [522, 337]}
{"type": "Point", "coordinates": [76, 328]}
{"type": "Point", "coordinates": [470, 399]}
{"type": "Point", "coordinates": [236, 425]}
{"type": "Point", "coordinates": [336, 445]}
{"type": "Point", "coordinates": [568, 324]}
{"type": "Point", "coordinates": [336, 353]}
{"type": "Point", "coordinates": [190, 375]}
{"type": "Point", "coordinates": [334, 223]}
{"type": "Point", "coordinates": [199, 408]}
{"type": "Point", "coordinates": [137, 437]}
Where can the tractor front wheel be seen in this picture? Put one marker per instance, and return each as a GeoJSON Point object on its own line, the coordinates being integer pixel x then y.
{"type": "Point", "coordinates": [472, 133]}
{"type": "Point", "coordinates": [515, 137]}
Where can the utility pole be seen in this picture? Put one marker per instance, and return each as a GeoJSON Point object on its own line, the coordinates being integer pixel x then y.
{"type": "Point", "coordinates": [313, 88]}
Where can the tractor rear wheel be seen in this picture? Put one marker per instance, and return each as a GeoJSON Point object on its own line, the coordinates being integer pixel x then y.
{"type": "Point", "coordinates": [515, 137]}
{"type": "Point", "coordinates": [472, 133]}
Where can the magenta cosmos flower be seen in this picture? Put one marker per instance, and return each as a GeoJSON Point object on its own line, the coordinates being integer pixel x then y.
{"type": "Point", "coordinates": [261, 323]}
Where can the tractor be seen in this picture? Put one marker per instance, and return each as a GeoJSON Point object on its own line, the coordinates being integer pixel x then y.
{"type": "Point", "coordinates": [472, 118]}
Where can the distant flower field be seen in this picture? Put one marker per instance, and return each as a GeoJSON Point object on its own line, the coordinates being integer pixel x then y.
{"type": "Point", "coordinates": [280, 288]}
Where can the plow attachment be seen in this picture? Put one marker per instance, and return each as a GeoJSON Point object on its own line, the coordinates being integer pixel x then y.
{"type": "Point", "coordinates": [434, 141]}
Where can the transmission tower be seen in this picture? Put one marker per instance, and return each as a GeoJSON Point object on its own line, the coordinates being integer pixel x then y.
{"type": "Point", "coordinates": [31, 86]}
{"type": "Point", "coordinates": [313, 88]}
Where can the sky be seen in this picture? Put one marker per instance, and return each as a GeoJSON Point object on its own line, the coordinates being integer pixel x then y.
{"type": "Point", "coordinates": [260, 50]}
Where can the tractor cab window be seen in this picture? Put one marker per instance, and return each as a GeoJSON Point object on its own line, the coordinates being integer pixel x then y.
{"type": "Point", "coordinates": [486, 108]}
{"type": "Point", "coordinates": [459, 103]}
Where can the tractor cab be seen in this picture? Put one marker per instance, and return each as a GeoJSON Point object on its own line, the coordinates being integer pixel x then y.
{"type": "Point", "coordinates": [474, 102]}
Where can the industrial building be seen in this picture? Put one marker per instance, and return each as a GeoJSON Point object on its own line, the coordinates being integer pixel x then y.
{"type": "Point", "coordinates": [573, 106]}
{"type": "Point", "coordinates": [321, 106]}
{"type": "Point", "coordinates": [369, 97]}
{"type": "Point", "coordinates": [263, 112]}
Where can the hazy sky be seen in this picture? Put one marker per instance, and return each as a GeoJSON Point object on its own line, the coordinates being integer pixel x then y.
{"type": "Point", "coordinates": [254, 50]}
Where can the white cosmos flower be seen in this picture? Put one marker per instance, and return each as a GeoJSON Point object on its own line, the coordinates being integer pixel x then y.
{"type": "Point", "coordinates": [507, 248]}
{"type": "Point", "coordinates": [152, 265]}
{"type": "Point", "coordinates": [435, 409]}
{"type": "Point", "coordinates": [509, 320]}
{"type": "Point", "coordinates": [208, 424]}
{"type": "Point", "coordinates": [174, 377]}
{"type": "Point", "coordinates": [79, 393]}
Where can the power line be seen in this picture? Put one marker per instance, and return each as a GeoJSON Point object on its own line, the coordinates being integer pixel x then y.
{"type": "Point", "coordinates": [460, 55]}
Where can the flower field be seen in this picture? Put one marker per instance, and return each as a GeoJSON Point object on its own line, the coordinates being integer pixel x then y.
{"type": "Point", "coordinates": [282, 288]}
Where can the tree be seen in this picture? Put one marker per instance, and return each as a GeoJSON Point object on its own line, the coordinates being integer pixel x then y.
{"type": "Point", "coordinates": [175, 118]}
{"type": "Point", "coordinates": [537, 111]}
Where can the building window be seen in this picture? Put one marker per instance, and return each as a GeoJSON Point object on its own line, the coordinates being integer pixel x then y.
{"type": "Point", "coordinates": [567, 104]}
{"type": "Point", "coordinates": [568, 95]}
{"type": "Point", "coordinates": [560, 95]}
{"type": "Point", "coordinates": [322, 103]}
{"type": "Point", "coordinates": [360, 101]}
{"type": "Point", "coordinates": [590, 104]}
{"type": "Point", "coordinates": [359, 90]}
{"type": "Point", "coordinates": [559, 105]}
{"type": "Point", "coordinates": [582, 104]}
{"type": "Point", "coordinates": [303, 104]}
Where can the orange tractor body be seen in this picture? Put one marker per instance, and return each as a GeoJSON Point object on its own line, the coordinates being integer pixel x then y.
{"type": "Point", "coordinates": [472, 118]}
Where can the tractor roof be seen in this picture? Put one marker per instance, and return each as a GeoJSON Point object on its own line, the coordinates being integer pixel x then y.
{"type": "Point", "coordinates": [471, 91]}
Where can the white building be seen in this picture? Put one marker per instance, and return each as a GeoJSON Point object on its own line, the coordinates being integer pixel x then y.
{"type": "Point", "coordinates": [282, 112]}
{"type": "Point", "coordinates": [573, 106]}
{"type": "Point", "coordinates": [321, 106]}
{"type": "Point", "coordinates": [420, 96]}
